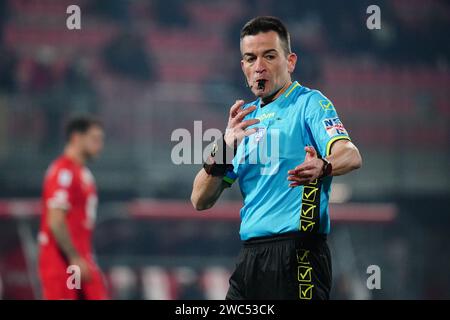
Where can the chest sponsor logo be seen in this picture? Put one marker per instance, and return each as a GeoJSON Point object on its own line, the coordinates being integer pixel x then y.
{"type": "Point", "coordinates": [265, 116]}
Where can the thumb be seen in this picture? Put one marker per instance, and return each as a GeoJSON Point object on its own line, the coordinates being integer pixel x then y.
{"type": "Point", "coordinates": [311, 152]}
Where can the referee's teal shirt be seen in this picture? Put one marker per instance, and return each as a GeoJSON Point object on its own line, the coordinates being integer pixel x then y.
{"type": "Point", "coordinates": [299, 117]}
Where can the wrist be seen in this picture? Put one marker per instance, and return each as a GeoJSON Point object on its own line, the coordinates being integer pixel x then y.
{"type": "Point", "coordinates": [327, 168]}
{"type": "Point", "coordinates": [215, 169]}
{"type": "Point", "coordinates": [220, 159]}
{"type": "Point", "coordinates": [227, 147]}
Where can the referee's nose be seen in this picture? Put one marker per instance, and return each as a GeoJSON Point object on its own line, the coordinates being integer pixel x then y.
{"type": "Point", "coordinates": [260, 66]}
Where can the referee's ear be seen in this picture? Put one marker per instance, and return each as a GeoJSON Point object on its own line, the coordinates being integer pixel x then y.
{"type": "Point", "coordinates": [292, 61]}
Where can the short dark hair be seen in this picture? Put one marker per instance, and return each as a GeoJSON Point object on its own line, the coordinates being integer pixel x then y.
{"type": "Point", "coordinates": [266, 24]}
{"type": "Point", "coordinates": [81, 124]}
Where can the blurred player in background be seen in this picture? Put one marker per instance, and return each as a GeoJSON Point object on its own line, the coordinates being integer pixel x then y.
{"type": "Point", "coordinates": [284, 219]}
{"type": "Point", "coordinates": [68, 217]}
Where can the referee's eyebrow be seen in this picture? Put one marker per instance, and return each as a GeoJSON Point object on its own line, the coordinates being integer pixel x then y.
{"type": "Point", "coordinates": [264, 53]}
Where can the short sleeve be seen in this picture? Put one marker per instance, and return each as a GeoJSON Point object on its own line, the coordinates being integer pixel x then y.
{"type": "Point", "coordinates": [324, 123]}
{"type": "Point", "coordinates": [59, 187]}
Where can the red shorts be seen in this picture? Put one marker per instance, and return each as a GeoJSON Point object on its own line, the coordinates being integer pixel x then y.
{"type": "Point", "coordinates": [55, 287]}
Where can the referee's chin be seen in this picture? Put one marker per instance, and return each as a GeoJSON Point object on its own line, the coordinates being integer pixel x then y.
{"type": "Point", "coordinates": [264, 94]}
{"type": "Point", "coordinates": [261, 93]}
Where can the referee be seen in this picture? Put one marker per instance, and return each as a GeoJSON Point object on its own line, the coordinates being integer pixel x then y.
{"type": "Point", "coordinates": [284, 218]}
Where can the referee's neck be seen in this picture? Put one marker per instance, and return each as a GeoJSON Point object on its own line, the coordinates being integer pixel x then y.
{"type": "Point", "coordinates": [275, 95]}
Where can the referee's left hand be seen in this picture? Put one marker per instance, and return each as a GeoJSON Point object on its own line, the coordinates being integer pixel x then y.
{"type": "Point", "coordinates": [308, 171]}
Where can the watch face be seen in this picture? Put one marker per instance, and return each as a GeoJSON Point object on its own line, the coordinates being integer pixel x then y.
{"type": "Point", "coordinates": [214, 149]}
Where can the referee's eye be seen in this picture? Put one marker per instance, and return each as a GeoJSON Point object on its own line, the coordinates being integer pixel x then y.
{"type": "Point", "coordinates": [250, 59]}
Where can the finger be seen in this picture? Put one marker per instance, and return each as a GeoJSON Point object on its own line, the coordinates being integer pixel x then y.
{"type": "Point", "coordinates": [307, 176]}
{"type": "Point", "coordinates": [297, 184]}
{"type": "Point", "coordinates": [235, 108]}
{"type": "Point", "coordinates": [311, 151]}
{"type": "Point", "coordinates": [249, 132]}
{"type": "Point", "coordinates": [244, 124]}
{"type": "Point", "coordinates": [295, 170]}
{"type": "Point", "coordinates": [302, 175]}
{"type": "Point", "coordinates": [305, 167]}
{"type": "Point", "coordinates": [242, 113]}
{"type": "Point", "coordinates": [304, 181]}
{"type": "Point", "coordinates": [300, 168]}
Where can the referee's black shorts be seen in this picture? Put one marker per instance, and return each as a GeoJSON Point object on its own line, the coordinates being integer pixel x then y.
{"type": "Point", "coordinates": [289, 266]}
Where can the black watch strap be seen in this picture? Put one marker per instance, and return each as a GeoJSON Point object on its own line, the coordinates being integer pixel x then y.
{"type": "Point", "coordinates": [217, 170]}
{"type": "Point", "coordinates": [219, 161]}
{"type": "Point", "coordinates": [326, 169]}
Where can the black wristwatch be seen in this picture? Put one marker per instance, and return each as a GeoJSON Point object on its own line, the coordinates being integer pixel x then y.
{"type": "Point", "coordinates": [216, 170]}
{"type": "Point", "coordinates": [326, 169]}
{"type": "Point", "coordinates": [220, 149]}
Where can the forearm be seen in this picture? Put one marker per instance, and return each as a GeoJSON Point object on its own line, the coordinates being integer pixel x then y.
{"type": "Point", "coordinates": [206, 190]}
{"type": "Point", "coordinates": [61, 234]}
{"type": "Point", "coordinates": [344, 158]}
{"type": "Point", "coordinates": [209, 184]}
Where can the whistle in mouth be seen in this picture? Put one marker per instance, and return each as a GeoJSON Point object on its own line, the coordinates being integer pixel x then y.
{"type": "Point", "coordinates": [261, 84]}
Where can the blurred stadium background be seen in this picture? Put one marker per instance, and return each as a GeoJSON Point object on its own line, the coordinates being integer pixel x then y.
{"type": "Point", "coordinates": [149, 67]}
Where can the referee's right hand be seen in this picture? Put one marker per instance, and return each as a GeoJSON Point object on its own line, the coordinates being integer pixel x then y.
{"type": "Point", "coordinates": [237, 128]}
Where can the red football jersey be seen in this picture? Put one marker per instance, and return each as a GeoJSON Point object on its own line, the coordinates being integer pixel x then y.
{"type": "Point", "coordinates": [71, 187]}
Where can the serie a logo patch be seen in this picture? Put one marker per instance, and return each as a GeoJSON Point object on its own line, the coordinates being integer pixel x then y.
{"type": "Point", "coordinates": [259, 134]}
